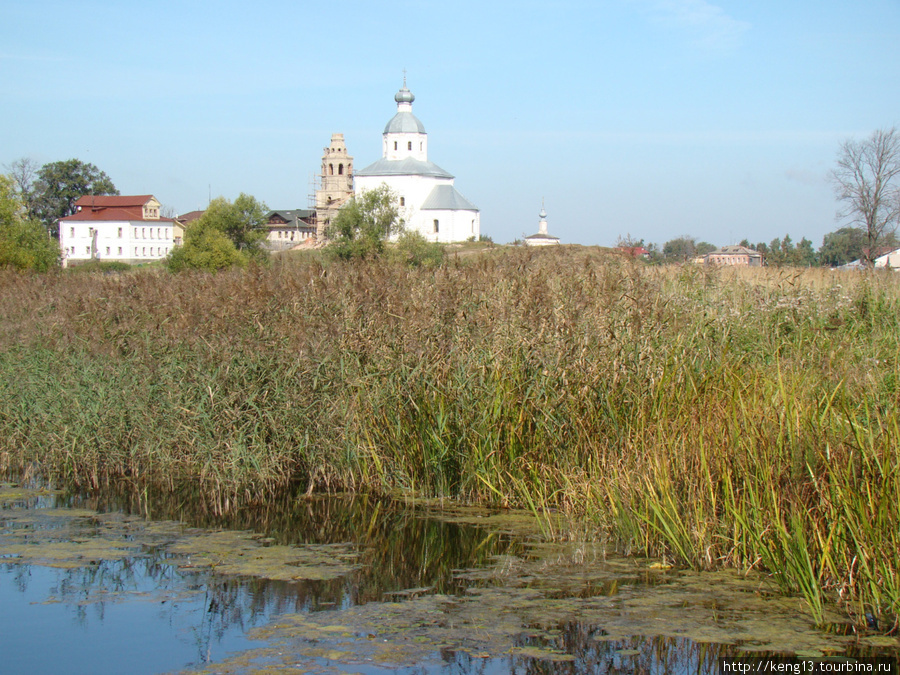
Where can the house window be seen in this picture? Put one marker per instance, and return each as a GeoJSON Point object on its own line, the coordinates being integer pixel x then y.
{"type": "Point", "coordinates": [144, 232]}
{"type": "Point", "coordinates": [437, 226]}
{"type": "Point", "coordinates": [420, 146]}
{"type": "Point", "coordinates": [107, 250]}
{"type": "Point", "coordinates": [71, 231]}
{"type": "Point", "coordinates": [159, 233]}
{"type": "Point", "coordinates": [135, 233]}
{"type": "Point", "coordinates": [87, 249]}
{"type": "Point", "coordinates": [144, 250]}
{"type": "Point", "coordinates": [340, 169]}
{"type": "Point", "coordinates": [90, 231]}
{"type": "Point", "coordinates": [409, 146]}
{"type": "Point", "coordinates": [151, 233]}
{"type": "Point", "coordinates": [120, 250]}
{"type": "Point", "coordinates": [395, 145]}
{"type": "Point", "coordinates": [120, 233]}
{"type": "Point", "coordinates": [402, 201]}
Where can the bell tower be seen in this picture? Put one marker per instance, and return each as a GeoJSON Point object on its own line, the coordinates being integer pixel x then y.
{"type": "Point", "coordinates": [335, 184]}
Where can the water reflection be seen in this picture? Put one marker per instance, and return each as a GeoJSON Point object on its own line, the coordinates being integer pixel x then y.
{"type": "Point", "coordinates": [130, 580]}
{"type": "Point", "coordinates": [400, 547]}
{"type": "Point", "coordinates": [113, 562]}
{"type": "Point", "coordinates": [632, 656]}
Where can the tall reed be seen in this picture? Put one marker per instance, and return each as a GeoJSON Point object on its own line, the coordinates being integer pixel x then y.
{"type": "Point", "coordinates": [743, 418]}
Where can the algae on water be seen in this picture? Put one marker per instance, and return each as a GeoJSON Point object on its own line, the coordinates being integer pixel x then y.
{"type": "Point", "coordinates": [71, 538]}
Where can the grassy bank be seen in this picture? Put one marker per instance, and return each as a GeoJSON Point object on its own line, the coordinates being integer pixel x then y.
{"type": "Point", "coordinates": [719, 417]}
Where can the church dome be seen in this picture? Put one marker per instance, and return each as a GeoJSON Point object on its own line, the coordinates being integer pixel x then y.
{"type": "Point", "coordinates": [404, 95]}
{"type": "Point", "coordinates": [404, 123]}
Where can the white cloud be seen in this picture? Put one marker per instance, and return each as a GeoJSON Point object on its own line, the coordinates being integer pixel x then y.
{"type": "Point", "coordinates": [707, 25]}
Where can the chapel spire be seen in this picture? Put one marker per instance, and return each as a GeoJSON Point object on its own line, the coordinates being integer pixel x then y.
{"type": "Point", "coordinates": [404, 135]}
{"type": "Point", "coordinates": [404, 97]}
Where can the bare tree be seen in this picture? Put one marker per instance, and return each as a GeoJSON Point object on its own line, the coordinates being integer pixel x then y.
{"type": "Point", "coordinates": [24, 172]}
{"type": "Point", "coordinates": [865, 180]}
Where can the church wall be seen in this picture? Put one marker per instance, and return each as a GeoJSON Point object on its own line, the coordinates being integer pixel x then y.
{"type": "Point", "coordinates": [414, 190]}
{"type": "Point", "coordinates": [453, 225]}
{"type": "Point", "coordinates": [408, 145]}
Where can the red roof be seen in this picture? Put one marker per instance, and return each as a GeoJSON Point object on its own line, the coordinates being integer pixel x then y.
{"type": "Point", "coordinates": [112, 207]}
{"type": "Point", "coordinates": [634, 251]}
{"type": "Point", "coordinates": [112, 201]}
{"type": "Point", "coordinates": [135, 213]}
{"type": "Point", "coordinates": [189, 217]}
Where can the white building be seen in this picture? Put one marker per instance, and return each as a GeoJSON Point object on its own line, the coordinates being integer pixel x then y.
{"type": "Point", "coordinates": [542, 238]}
{"type": "Point", "coordinates": [890, 260]}
{"type": "Point", "coordinates": [429, 203]}
{"type": "Point", "coordinates": [121, 228]}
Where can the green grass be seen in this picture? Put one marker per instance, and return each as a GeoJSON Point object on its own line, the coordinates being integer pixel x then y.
{"type": "Point", "coordinates": [746, 419]}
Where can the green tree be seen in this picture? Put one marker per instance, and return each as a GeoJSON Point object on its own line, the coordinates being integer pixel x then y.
{"type": "Point", "coordinates": [682, 248]}
{"type": "Point", "coordinates": [242, 221]}
{"type": "Point", "coordinates": [705, 247]}
{"type": "Point", "coordinates": [846, 245]}
{"type": "Point", "coordinates": [364, 224]}
{"type": "Point", "coordinates": [775, 256]}
{"type": "Point", "coordinates": [24, 243]}
{"type": "Point", "coordinates": [10, 204]}
{"type": "Point", "coordinates": [866, 181]}
{"type": "Point", "coordinates": [58, 187]}
{"type": "Point", "coordinates": [653, 251]}
{"type": "Point", "coordinates": [205, 248]}
{"type": "Point", "coordinates": [806, 254]}
{"type": "Point", "coordinates": [416, 251]}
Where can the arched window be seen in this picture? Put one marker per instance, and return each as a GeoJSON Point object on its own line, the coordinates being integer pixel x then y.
{"type": "Point", "coordinates": [340, 169]}
{"type": "Point", "coordinates": [331, 169]}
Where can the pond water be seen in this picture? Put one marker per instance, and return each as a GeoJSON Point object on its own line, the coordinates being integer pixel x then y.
{"type": "Point", "coordinates": [132, 581]}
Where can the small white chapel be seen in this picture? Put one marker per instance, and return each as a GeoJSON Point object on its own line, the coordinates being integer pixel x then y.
{"type": "Point", "coordinates": [542, 238]}
{"type": "Point", "coordinates": [429, 202]}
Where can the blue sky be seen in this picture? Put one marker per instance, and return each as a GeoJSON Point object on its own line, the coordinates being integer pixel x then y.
{"type": "Point", "coordinates": [656, 118]}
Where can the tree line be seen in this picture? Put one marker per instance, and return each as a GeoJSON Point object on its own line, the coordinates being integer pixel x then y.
{"type": "Point", "coordinates": [840, 247]}
{"type": "Point", "coordinates": [866, 180]}
{"type": "Point", "coordinates": [33, 199]}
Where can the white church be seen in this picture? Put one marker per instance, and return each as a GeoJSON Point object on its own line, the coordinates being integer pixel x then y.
{"type": "Point", "coordinates": [429, 203]}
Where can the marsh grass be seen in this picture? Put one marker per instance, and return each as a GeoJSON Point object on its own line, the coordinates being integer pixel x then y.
{"type": "Point", "coordinates": [742, 418]}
